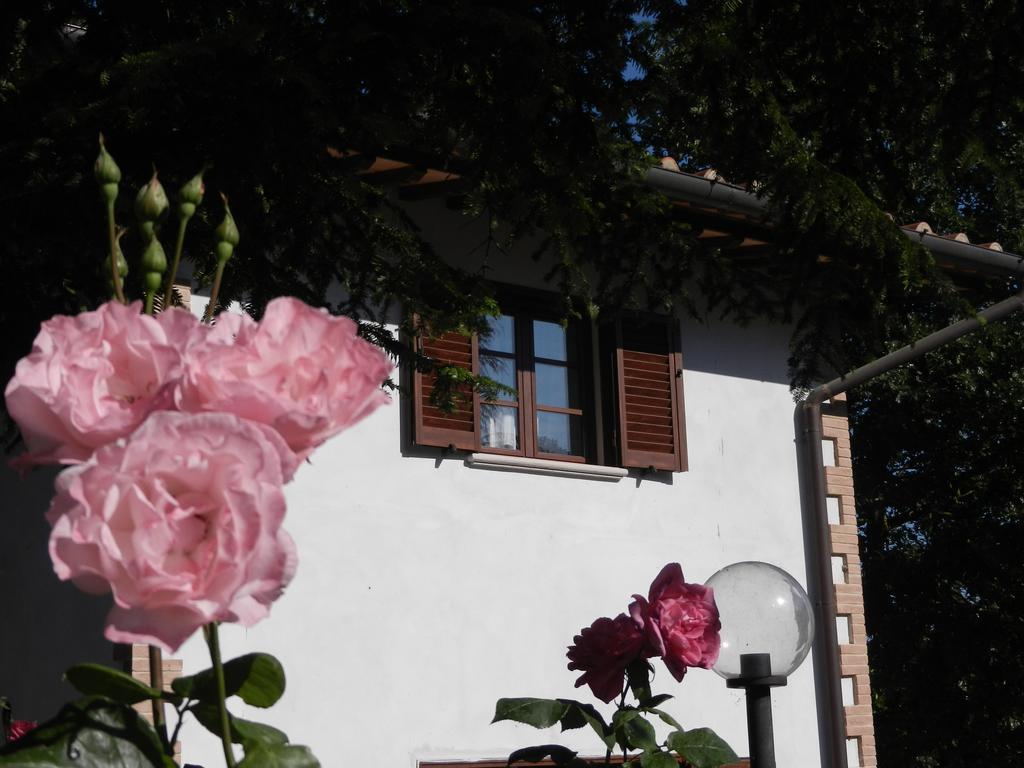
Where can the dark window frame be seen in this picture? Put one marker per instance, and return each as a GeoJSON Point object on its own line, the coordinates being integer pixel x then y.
{"type": "Point", "coordinates": [613, 437]}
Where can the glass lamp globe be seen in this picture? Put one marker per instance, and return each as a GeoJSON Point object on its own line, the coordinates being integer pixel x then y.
{"type": "Point", "coordinates": [763, 610]}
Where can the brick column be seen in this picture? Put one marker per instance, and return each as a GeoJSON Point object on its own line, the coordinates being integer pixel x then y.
{"type": "Point", "coordinates": [860, 730]}
{"type": "Point", "coordinates": [134, 659]}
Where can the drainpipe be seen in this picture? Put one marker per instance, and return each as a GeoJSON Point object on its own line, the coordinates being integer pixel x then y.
{"type": "Point", "coordinates": [813, 498]}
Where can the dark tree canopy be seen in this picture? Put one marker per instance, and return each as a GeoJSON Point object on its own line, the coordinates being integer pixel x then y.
{"type": "Point", "coordinates": [841, 112]}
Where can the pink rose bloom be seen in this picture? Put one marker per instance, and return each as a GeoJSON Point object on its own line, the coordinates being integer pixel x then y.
{"type": "Point", "coordinates": [299, 370]}
{"type": "Point", "coordinates": [182, 522]}
{"type": "Point", "coordinates": [92, 378]}
{"type": "Point", "coordinates": [680, 622]}
{"type": "Point", "coordinates": [602, 652]}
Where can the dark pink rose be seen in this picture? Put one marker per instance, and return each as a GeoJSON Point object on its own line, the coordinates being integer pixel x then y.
{"type": "Point", "coordinates": [19, 728]}
{"type": "Point", "coordinates": [92, 378]}
{"type": "Point", "coordinates": [602, 652]}
{"type": "Point", "coordinates": [299, 370]}
{"type": "Point", "coordinates": [679, 621]}
{"type": "Point", "coordinates": [181, 522]}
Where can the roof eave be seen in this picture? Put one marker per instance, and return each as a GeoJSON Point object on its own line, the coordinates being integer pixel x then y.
{"type": "Point", "coordinates": [713, 194]}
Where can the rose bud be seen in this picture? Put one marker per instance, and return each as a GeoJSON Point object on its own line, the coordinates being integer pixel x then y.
{"type": "Point", "coordinates": [227, 233]}
{"type": "Point", "coordinates": [150, 204]}
{"type": "Point", "coordinates": [122, 263]}
{"type": "Point", "coordinates": [154, 264]}
{"type": "Point", "coordinates": [191, 195]}
{"type": "Point", "coordinates": [107, 173]}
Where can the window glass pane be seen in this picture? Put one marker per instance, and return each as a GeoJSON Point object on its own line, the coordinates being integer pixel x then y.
{"type": "Point", "coordinates": [550, 340]}
{"type": "Point", "coordinates": [557, 386]}
{"type": "Point", "coordinates": [559, 433]}
{"type": "Point", "coordinates": [503, 371]}
{"type": "Point", "coordinates": [502, 334]}
{"type": "Point", "coordinates": [499, 426]}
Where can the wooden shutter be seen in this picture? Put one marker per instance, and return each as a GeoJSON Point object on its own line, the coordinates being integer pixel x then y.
{"type": "Point", "coordinates": [650, 395]}
{"type": "Point", "coordinates": [456, 428]}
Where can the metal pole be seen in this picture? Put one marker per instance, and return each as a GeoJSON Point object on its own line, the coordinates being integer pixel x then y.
{"type": "Point", "coordinates": [757, 680]}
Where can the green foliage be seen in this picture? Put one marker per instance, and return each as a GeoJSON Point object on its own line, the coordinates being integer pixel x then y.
{"type": "Point", "coordinates": [244, 732]}
{"type": "Point", "coordinates": [579, 714]}
{"type": "Point", "coordinates": [940, 492]}
{"type": "Point", "coordinates": [256, 678]}
{"type": "Point", "coordinates": [559, 755]}
{"type": "Point", "coordinates": [540, 713]}
{"type": "Point", "coordinates": [92, 732]}
{"type": "Point", "coordinates": [113, 683]}
{"type": "Point", "coordinates": [632, 731]}
{"type": "Point", "coordinates": [701, 748]}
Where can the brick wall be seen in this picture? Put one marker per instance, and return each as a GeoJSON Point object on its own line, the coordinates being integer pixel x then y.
{"type": "Point", "coordinates": [860, 730]}
{"type": "Point", "coordinates": [134, 659]}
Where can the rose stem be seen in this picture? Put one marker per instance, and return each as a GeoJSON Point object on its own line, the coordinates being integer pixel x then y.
{"type": "Point", "coordinates": [112, 235]}
{"type": "Point", "coordinates": [621, 705]}
{"type": "Point", "coordinates": [169, 293]}
{"type": "Point", "coordinates": [213, 641]}
{"type": "Point", "coordinates": [208, 315]}
{"type": "Point", "coordinates": [156, 680]}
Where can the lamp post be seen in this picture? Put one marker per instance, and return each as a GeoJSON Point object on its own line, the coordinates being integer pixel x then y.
{"type": "Point", "coordinates": [767, 630]}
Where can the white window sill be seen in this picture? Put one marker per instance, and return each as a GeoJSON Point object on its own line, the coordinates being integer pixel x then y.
{"type": "Point", "coordinates": [545, 466]}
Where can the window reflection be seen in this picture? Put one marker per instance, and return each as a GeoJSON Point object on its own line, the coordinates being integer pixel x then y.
{"type": "Point", "coordinates": [557, 386]}
{"type": "Point", "coordinates": [550, 340]}
{"type": "Point", "coordinates": [499, 427]}
{"type": "Point", "coordinates": [503, 371]}
{"type": "Point", "coordinates": [559, 433]}
{"type": "Point", "coordinates": [501, 336]}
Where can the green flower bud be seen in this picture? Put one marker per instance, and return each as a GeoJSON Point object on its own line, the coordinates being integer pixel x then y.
{"type": "Point", "coordinates": [151, 202]}
{"type": "Point", "coordinates": [122, 262]}
{"type": "Point", "coordinates": [191, 195]}
{"type": "Point", "coordinates": [154, 260]}
{"type": "Point", "coordinates": [227, 233]}
{"type": "Point", "coordinates": [107, 173]}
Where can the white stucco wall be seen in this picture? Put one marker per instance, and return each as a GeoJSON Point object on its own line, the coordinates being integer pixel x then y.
{"type": "Point", "coordinates": [428, 589]}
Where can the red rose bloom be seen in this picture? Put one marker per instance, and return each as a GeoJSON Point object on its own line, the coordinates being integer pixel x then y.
{"type": "Point", "coordinates": [19, 728]}
{"type": "Point", "coordinates": [602, 652]}
{"type": "Point", "coordinates": [679, 621]}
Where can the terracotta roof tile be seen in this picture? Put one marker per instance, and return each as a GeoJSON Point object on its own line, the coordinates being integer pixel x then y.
{"type": "Point", "coordinates": [919, 226]}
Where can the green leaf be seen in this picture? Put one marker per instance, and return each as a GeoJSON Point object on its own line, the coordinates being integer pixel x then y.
{"type": "Point", "coordinates": [632, 730]}
{"type": "Point", "coordinates": [639, 676]}
{"type": "Point", "coordinates": [96, 679]}
{"type": "Point", "coordinates": [580, 714]}
{"type": "Point", "coordinates": [659, 759]}
{"type": "Point", "coordinates": [654, 701]}
{"type": "Point", "coordinates": [245, 732]}
{"type": "Point", "coordinates": [540, 713]}
{"type": "Point", "coordinates": [559, 754]}
{"type": "Point", "coordinates": [257, 678]}
{"type": "Point", "coordinates": [701, 748]}
{"type": "Point", "coordinates": [279, 756]}
{"type": "Point", "coordinates": [91, 732]}
{"type": "Point", "coordinates": [665, 717]}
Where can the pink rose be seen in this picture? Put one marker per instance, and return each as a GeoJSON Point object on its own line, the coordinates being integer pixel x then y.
{"type": "Point", "coordinates": [92, 378]}
{"type": "Point", "coordinates": [602, 652]}
{"type": "Point", "coordinates": [182, 522]}
{"type": "Point", "coordinates": [299, 370]}
{"type": "Point", "coordinates": [680, 622]}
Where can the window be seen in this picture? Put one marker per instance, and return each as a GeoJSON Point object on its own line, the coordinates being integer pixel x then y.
{"type": "Point", "coordinates": [608, 395]}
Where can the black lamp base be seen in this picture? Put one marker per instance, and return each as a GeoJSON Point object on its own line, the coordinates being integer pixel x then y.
{"type": "Point", "coordinates": [757, 679]}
